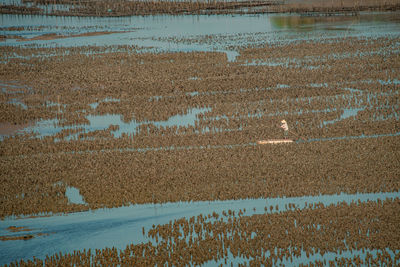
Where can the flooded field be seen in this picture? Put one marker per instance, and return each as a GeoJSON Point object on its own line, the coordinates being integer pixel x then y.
{"type": "Point", "coordinates": [133, 140]}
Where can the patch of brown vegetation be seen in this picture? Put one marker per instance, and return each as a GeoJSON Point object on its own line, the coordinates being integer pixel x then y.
{"type": "Point", "coordinates": [14, 9]}
{"type": "Point", "coordinates": [10, 129]}
{"type": "Point", "coordinates": [15, 229]}
{"type": "Point", "coordinates": [21, 237]}
{"type": "Point", "coordinates": [129, 8]}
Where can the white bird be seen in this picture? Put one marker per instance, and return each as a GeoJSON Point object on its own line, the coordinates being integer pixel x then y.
{"type": "Point", "coordinates": [285, 127]}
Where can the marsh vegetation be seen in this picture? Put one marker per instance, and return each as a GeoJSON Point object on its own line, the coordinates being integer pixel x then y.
{"type": "Point", "coordinates": [128, 126]}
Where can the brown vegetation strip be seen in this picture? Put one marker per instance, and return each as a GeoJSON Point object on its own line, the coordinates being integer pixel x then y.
{"type": "Point", "coordinates": [113, 179]}
{"type": "Point", "coordinates": [128, 8]}
{"type": "Point", "coordinates": [15, 229]}
{"type": "Point", "coordinates": [19, 237]}
{"type": "Point", "coordinates": [53, 36]}
{"type": "Point", "coordinates": [18, 229]}
{"type": "Point", "coordinates": [262, 239]}
{"type": "Point", "coordinates": [9, 128]}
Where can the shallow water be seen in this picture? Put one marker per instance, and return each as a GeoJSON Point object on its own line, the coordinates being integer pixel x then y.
{"type": "Point", "coordinates": [304, 259]}
{"type": "Point", "coordinates": [347, 113]}
{"type": "Point", "coordinates": [102, 122]}
{"type": "Point", "coordinates": [158, 32]}
{"type": "Point", "coordinates": [74, 196]}
{"type": "Point", "coordinates": [119, 227]}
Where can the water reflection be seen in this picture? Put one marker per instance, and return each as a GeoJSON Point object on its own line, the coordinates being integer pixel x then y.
{"type": "Point", "coordinates": [311, 23]}
{"type": "Point", "coordinates": [294, 22]}
{"type": "Point", "coordinates": [303, 23]}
